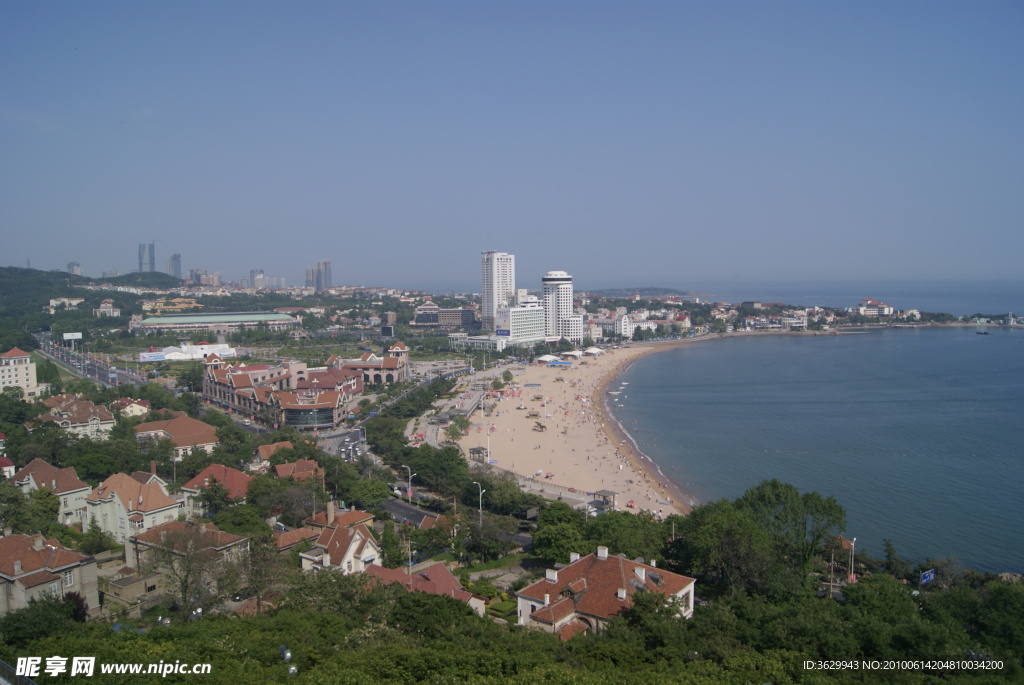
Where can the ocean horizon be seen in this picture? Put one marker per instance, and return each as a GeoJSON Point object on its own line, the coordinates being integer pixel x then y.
{"type": "Point", "coordinates": [914, 431]}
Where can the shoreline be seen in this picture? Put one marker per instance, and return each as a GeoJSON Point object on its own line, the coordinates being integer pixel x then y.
{"type": "Point", "coordinates": [590, 450]}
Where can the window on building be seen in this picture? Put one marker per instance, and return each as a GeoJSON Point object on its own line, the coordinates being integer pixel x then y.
{"type": "Point", "coordinates": [69, 578]}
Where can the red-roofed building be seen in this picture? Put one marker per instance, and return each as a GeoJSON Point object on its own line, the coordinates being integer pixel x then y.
{"type": "Point", "coordinates": [7, 467]}
{"type": "Point", "coordinates": [131, 407]}
{"type": "Point", "coordinates": [590, 591]}
{"type": "Point", "coordinates": [344, 544]}
{"type": "Point", "coordinates": [435, 580]}
{"type": "Point", "coordinates": [300, 469]}
{"type": "Point", "coordinates": [123, 506]}
{"type": "Point", "coordinates": [261, 461]}
{"type": "Point", "coordinates": [78, 416]}
{"type": "Point", "coordinates": [288, 539]}
{"type": "Point", "coordinates": [31, 567]}
{"type": "Point", "coordinates": [186, 433]}
{"type": "Point", "coordinates": [234, 481]}
{"type": "Point", "coordinates": [62, 482]}
{"type": "Point", "coordinates": [183, 538]}
{"type": "Point", "coordinates": [393, 367]}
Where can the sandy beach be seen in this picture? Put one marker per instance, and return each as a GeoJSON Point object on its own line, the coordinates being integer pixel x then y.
{"type": "Point", "coordinates": [581, 446]}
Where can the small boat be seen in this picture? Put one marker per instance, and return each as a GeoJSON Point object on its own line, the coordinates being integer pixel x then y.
{"type": "Point", "coordinates": [982, 332]}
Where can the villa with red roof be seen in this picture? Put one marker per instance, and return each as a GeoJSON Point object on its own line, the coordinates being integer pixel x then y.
{"type": "Point", "coordinates": [346, 542]}
{"type": "Point", "coordinates": [585, 595]}
{"type": "Point", "coordinates": [62, 482]}
{"type": "Point", "coordinates": [176, 536]}
{"type": "Point", "coordinates": [300, 469]}
{"type": "Point", "coordinates": [32, 567]}
{"type": "Point", "coordinates": [78, 416]}
{"type": "Point", "coordinates": [186, 433]}
{"type": "Point", "coordinates": [234, 481]}
{"type": "Point", "coordinates": [122, 506]}
{"type": "Point", "coordinates": [435, 579]}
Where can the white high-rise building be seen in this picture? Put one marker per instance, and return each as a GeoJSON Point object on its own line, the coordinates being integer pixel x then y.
{"type": "Point", "coordinates": [559, 319]}
{"type": "Point", "coordinates": [497, 284]}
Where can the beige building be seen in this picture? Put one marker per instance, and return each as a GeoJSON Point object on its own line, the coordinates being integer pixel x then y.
{"type": "Point", "coordinates": [186, 433]}
{"type": "Point", "coordinates": [18, 370]}
{"type": "Point", "coordinates": [32, 567]}
{"type": "Point", "coordinates": [123, 506]}
{"type": "Point", "coordinates": [62, 482]}
{"type": "Point", "coordinates": [79, 416]}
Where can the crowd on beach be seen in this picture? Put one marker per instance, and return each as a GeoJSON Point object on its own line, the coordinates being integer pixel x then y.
{"type": "Point", "coordinates": [553, 425]}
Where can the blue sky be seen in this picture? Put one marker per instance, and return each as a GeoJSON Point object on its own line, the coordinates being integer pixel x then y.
{"type": "Point", "coordinates": [639, 143]}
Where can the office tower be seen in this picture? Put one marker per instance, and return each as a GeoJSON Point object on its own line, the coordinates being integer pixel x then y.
{"type": "Point", "coordinates": [74, 268]}
{"type": "Point", "coordinates": [257, 279]}
{"type": "Point", "coordinates": [497, 284]}
{"type": "Point", "coordinates": [310, 277]}
{"type": "Point", "coordinates": [174, 265]}
{"type": "Point", "coordinates": [559, 319]}
{"type": "Point", "coordinates": [147, 257]}
{"type": "Point", "coordinates": [323, 274]}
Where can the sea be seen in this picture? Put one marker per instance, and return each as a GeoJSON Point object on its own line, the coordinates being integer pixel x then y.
{"type": "Point", "coordinates": [918, 433]}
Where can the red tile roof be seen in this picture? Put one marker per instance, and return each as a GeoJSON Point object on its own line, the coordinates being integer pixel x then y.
{"type": "Point", "coordinates": [291, 537]}
{"type": "Point", "coordinates": [35, 554]}
{"type": "Point", "coordinates": [300, 469]}
{"type": "Point", "coordinates": [13, 353]}
{"type": "Point", "coordinates": [267, 451]}
{"type": "Point", "coordinates": [435, 579]}
{"type": "Point", "coordinates": [236, 482]}
{"type": "Point", "coordinates": [183, 431]}
{"type": "Point", "coordinates": [45, 475]}
{"type": "Point", "coordinates": [210, 536]}
{"type": "Point", "coordinates": [134, 496]}
{"type": "Point", "coordinates": [598, 595]}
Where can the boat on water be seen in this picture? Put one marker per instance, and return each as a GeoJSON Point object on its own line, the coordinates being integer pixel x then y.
{"type": "Point", "coordinates": [982, 332]}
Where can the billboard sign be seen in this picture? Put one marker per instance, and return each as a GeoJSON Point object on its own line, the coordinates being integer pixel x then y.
{"type": "Point", "coordinates": [151, 356]}
{"type": "Point", "coordinates": [504, 332]}
{"type": "Point", "coordinates": [72, 336]}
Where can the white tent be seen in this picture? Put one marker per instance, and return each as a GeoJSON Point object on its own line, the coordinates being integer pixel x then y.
{"type": "Point", "coordinates": [576, 354]}
{"type": "Point", "coordinates": [547, 358]}
{"type": "Point", "coordinates": [593, 351]}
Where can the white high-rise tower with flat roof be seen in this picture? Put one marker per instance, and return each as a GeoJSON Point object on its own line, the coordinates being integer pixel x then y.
{"type": "Point", "coordinates": [497, 284]}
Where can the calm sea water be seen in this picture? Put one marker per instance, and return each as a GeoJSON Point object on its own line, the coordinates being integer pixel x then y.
{"type": "Point", "coordinates": [918, 433]}
{"type": "Point", "coordinates": [961, 298]}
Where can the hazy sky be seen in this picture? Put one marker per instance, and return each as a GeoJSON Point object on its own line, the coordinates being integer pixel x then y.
{"type": "Point", "coordinates": [628, 143]}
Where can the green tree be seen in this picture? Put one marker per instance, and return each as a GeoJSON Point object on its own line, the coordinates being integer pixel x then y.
{"type": "Point", "coordinates": [557, 541]}
{"type": "Point", "coordinates": [798, 522]}
{"type": "Point", "coordinates": [95, 540]}
{"type": "Point", "coordinates": [722, 542]}
{"type": "Point", "coordinates": [369, 492]}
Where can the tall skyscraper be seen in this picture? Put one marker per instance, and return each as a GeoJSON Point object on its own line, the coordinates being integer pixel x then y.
{"type": "Point", "coordinates": [257, 279]}
{"type": "Point", "coordinates": [559, 319]}
{"type": "Point", "coordinates": [497, 284]}
{"type": "Point", "coordinates": [147, 257]}
{"type": "Point", "coordinates": [323, 274]}
{"type": "Point", "coordinates": [174, 265]}
{"type": "Point", "coordinates": [74, 268]}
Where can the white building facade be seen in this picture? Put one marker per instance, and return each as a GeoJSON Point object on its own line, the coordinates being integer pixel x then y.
{"type": "Point", "coordinates": [521, 323]}
{"type": "Point", "coordinates": [559, 319]}
{"type": "Point", "coordinates": [497, 284]}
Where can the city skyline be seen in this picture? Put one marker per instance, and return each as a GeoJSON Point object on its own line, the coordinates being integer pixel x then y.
{"type": "Point", "coordinates": [685, 142]}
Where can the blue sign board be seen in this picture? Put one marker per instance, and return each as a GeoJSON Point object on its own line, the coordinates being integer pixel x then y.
{"type": "Point", "coordinates": [928, 576]}
{"type": "Point", "coordinates": [374, 412]}
{"type": "Point", "coordinates": [503, 332]}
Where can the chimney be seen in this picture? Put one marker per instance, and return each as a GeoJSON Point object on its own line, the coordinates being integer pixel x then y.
{"type": "Point", "coordinates": [551, 575]}
{"type": "Point", "coordinates": [574, 557]}
{"type": "Point", "coordinates": [602, 552]}
{"type": "Point", "coordinates": [37, 542]}
{"type": "Point", "coordinates": [152, 467]}
{"type": "Point", "coordinates": [325, 560]}
{"type": "Point", "coordinates": [641, 573]}
{"type": "Point", "coordinates": [17, 569]}
{"type": "Point", "coordinates": [654, 563]}
{"type": "Point", "coordinates": [330, 512]}
{"type": "Point", "coordinates": [547, 600]}
{"type": "Point", "coordinates": [621, 593]}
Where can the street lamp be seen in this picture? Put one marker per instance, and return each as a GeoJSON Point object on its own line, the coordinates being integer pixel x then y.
{"type": "Point", "coordinates": [411, 474]}
{"type": "Point", "coordinates": [481, 505]}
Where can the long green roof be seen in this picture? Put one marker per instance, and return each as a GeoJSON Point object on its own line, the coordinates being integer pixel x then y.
{"type": "Point", "coordinates": [235, 317]}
